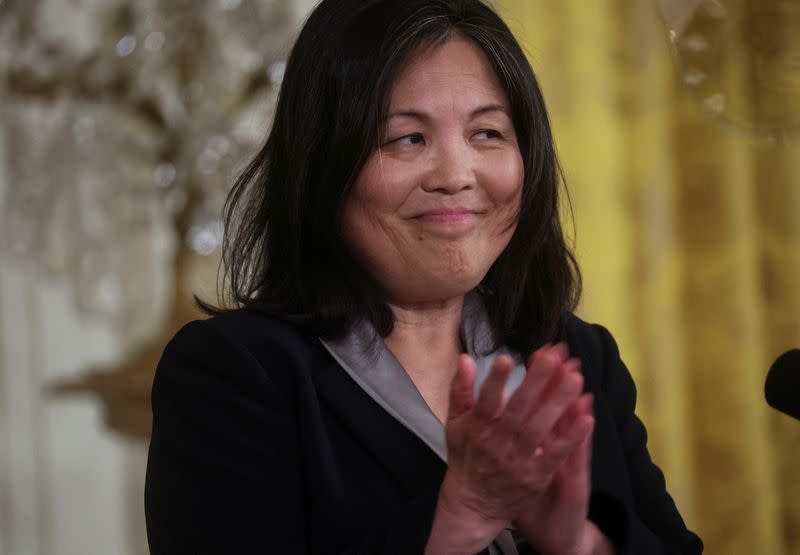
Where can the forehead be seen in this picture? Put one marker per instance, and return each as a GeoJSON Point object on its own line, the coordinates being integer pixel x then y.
{"type": "Point", "coordinates": [458, 70]}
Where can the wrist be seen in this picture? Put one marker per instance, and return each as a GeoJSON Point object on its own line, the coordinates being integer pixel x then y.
{"type": "Point", "coordinates": [457, 527]}
{"type": "Point", "coordinates": [593, 541]}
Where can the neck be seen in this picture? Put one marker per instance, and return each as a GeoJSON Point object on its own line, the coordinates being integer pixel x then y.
{"type": "Point", "coordinates": [426, 341]}
{"type": "Point", "coordinates": [432, 327]}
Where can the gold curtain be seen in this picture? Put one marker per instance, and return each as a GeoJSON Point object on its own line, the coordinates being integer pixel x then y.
{"type": "Point", "coordinates": [688, 236]}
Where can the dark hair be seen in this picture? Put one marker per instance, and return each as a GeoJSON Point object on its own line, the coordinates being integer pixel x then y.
{"type": "Point", "coordinates": [284, 252]}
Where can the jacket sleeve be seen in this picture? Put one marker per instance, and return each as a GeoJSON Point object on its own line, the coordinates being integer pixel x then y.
{"type": "Point", "coordinates": [653, 525]}
{"type": "Point", "coordinates": [224, 473]}
{"type": "Point", "coordinates": [220, 477]}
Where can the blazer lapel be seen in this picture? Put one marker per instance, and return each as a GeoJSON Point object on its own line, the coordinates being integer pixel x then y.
{"type": "Point", "coordinates": [412, 463]}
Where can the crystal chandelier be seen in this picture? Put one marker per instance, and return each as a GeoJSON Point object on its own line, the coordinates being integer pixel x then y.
{"type": "Point", "coordinates": [739, 60]}
{"type": "Point", "coordinates": [124, 124]}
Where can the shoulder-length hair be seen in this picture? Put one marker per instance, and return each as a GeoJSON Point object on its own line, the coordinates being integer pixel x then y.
{"type": "Point", "coordinates": [283, 251]}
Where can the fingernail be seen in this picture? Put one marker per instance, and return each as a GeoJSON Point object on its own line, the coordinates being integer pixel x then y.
{"type": "Point", "coordinates": [554, 357]}
{"type": "Point", "coordinates": [573, 365]}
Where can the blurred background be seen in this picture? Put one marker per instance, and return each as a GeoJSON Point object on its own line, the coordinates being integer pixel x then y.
{"type": "Point", "coordinates": [123, 123]}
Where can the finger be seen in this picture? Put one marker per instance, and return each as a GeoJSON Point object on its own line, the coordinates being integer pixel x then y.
{"type": "Point", "coordinates": [492, 395]}
{"type": "Point", "coordinates": [570, 416]}
{"type": "Point", "coordinates": [578, 461]}
{"type": "Point", "coordinates": [561, 350]}
{"type": "Point", "coordinates": [561, 391]}
{"type": "Point", "coordinates": [569, 432]}
{"type": "Point", "coordinates": [541, 366]}
{"type": "Point", "coordinates": [461, 397]}
{"type": "Point", "coordinates": [588, 403]}
{"type": "Point", "coordinates": [573, 424]}
{"type": "Point", "coordinates": [573, 477]}
{"type": "Point", "coordinates": [573, 364]}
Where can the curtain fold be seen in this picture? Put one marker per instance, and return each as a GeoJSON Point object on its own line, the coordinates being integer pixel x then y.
{"type": "Point", "coordinates": [688, 236]}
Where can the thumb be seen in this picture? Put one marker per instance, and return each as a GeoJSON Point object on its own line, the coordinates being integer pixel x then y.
{"type": "Point", "coordinates": [461, 388]}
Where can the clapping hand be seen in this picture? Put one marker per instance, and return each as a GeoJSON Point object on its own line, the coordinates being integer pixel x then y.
{"type": "Point", "coordinates": [525, 459]}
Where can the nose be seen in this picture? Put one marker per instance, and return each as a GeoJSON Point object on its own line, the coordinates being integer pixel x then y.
{"type": "Point", "coordinates": [451, 168]}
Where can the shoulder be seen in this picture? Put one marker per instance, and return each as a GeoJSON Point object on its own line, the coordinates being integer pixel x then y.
{"type": "Point", "coordinates": [244, 330]}
{"type": "Point", "coordinates": [590, 339]}
{"type": "Point", "coordinates": [235, 343]}
{"type": "Point", "coordinates": [598, 351]}
{"type": "Point", "coordinates": [603, 369]}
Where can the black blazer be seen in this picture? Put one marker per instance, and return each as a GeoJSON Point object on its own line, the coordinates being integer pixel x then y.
{"type": "Point", "coordinates": [262, 443]}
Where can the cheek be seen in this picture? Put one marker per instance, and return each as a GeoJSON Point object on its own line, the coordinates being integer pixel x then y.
{"type": "Point", "coordinates": [511, 175]}
{"type": "Point", "coordinates": [380, 188]}
{"type": "Point", "coordinates": [371, 208]}
{"type": "Point", "coordinates": [503, 176]}
{"type": "Point", "coordinates": [504, 179]}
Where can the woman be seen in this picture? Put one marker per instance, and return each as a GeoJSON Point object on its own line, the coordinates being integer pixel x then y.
{"type": "Point", "coordinates": [402, 373]}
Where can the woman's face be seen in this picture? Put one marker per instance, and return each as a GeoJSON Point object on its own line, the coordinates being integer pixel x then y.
{"type": "Point", "coordinates": [436, 204]}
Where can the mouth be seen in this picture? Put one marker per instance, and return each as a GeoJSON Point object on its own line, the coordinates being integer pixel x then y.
{"type": "Point", "coordinates": [448, 215]}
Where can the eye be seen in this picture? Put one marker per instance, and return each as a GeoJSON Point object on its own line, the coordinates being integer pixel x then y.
{"type": "Point", "coordinates": [412, 139]}
{"type": "Point", "coordinates": [489, 134]}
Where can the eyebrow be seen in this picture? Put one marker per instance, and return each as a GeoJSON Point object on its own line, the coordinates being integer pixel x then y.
{"type": "Point", "coordinates": [422, 116]}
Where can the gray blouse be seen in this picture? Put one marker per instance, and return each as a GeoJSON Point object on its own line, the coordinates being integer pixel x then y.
{"type": "Point", "coordinates": [364, 356]}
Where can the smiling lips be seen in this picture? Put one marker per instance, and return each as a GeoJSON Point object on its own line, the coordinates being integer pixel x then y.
{"type": "Point", "coordinates": [457, 217]}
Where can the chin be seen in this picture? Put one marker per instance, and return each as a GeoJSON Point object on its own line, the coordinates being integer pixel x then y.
{"type": "Point", "coordinates": [446, 288]}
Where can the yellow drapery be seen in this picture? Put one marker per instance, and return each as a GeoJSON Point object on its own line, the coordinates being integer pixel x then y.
{"type": "Point", "coordinates": [688, 237]}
